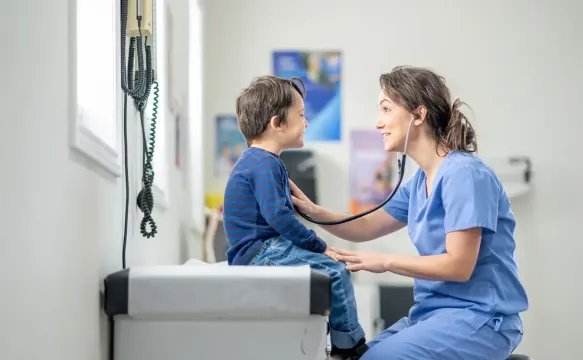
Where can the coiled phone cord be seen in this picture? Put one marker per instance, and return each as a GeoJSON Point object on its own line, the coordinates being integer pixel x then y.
{"type": "Point", "coordinates": [146, 196]}
{"type": "Point", "coordinates": [145, 200]}
{"type": "Point", "coordinates": [139, 90]}
{"type": "Point", "coordinates": [125, 82]}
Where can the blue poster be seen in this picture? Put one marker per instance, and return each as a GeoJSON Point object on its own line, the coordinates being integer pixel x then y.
{"type": "Point", "coordinates": [229, 143]}
{"type": "Point", "coordinates": [321, 74]}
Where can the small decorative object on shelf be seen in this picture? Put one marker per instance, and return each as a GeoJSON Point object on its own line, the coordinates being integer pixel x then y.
{"type": "Point", "coordinates": [515, 173]}
{"type": "Point", "coordinates": [528, 169]}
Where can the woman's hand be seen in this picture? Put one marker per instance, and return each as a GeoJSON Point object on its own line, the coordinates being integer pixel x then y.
{"type": "Point", "coordinates": [331, 254]}
{"type": "Point", "coordinates": [362, 260]}
{"type": "Point", "coordinates": [301, 201]}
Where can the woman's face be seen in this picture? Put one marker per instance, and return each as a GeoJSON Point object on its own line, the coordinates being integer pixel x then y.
{"type": "Point", "coordinates": [393, 122]}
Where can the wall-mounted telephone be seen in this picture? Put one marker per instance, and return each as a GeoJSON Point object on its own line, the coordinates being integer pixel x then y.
{"type": "Point", "coordinates": [146, 28]}
{"type": "Point", "coordinates": [138, 76]}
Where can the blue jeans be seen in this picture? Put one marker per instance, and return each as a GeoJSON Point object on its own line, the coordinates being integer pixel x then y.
{"type": "Point", "coordinates": [345, 331]}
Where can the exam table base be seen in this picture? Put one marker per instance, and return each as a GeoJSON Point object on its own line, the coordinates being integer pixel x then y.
{"type": "Point", "coordinates": [257, 339]}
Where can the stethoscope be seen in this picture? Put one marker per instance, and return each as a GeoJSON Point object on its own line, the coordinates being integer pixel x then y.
{"type": "Point", "coordinates": [401, 166]}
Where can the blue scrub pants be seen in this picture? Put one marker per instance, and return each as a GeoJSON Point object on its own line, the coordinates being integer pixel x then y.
{"type": "Point", "coordinates": [445, 335]}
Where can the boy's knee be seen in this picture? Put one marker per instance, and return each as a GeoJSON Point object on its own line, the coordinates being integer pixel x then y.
{"type": "Point", "coordinates": [338, 267]}
{"type": "Point", "coordinates": [339, 274]}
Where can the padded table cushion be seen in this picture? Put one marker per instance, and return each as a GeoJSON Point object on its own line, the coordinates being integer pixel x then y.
{"type": "Point", "coordinates": [217, 291]}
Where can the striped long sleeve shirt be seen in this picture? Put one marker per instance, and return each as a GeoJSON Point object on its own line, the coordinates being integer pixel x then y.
{"type": "Point", "coordinates": [258, 206]}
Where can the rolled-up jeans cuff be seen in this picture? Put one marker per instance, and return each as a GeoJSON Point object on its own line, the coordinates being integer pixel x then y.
{"type": "Point", "coordinates": [346, 340]}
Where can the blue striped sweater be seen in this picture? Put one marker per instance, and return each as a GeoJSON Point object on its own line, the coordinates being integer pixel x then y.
{"type": "Point", "coordinates": [258, 206]}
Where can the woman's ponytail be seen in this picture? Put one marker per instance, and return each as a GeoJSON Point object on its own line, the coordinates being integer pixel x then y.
{"type": "Point", "coordinates": [459, 134]}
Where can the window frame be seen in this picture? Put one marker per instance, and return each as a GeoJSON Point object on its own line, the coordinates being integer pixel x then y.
{"type": "Point", "coordinates": [107, 153]}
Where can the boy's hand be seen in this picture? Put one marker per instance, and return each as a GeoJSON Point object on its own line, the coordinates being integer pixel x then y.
{"type": "Point", "coordinates": [332, 254]}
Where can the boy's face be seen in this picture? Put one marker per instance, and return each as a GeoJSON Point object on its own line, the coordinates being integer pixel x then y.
{"type": "Point", "coordinates": [293, 131]}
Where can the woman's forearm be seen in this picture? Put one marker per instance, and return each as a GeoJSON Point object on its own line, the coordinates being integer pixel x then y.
{"type": "Point", "coordinates": [356, 230]}
{"type": "Point", "coordinates": [441, 267]}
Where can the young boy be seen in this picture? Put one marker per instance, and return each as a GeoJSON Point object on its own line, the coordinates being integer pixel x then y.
{"type": "Point", "coordinates": [259, 219]}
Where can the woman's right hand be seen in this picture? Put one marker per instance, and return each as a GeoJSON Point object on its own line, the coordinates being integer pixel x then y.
{"type": "Point", "coordinates": [301, 201]}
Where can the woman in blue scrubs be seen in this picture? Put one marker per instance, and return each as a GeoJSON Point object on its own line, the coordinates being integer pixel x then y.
{"type": "Point", "coordinates": [467, 291]}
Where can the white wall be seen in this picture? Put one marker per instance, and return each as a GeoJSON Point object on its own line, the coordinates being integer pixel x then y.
{"type": "Point", "coordinates": [61, 216]}
{"type": "Point", "coordinates": [518, 65]}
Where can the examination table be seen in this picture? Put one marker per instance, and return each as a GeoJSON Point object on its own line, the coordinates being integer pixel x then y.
{"type": "Point", "coordinates": [214, 311]}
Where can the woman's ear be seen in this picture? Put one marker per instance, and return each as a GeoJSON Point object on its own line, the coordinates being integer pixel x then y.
{"type": "Point", "coordinates": [420, 114]}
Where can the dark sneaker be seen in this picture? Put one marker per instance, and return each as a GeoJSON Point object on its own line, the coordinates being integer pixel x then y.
{"type": "Point", "coordinates": [349, 354]}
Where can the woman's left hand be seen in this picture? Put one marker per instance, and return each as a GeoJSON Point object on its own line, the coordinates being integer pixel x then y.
{"type": "Point", "coordinates": [362, 260]}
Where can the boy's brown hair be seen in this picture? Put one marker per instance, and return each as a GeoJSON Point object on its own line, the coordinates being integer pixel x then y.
{"type": "Point", "coordinates": [265, 97]}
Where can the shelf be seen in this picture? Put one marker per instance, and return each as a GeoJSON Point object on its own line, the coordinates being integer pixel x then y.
{"type": "Point", "coordinates": [515, 189]}
{"type": "Point", "coordinates": [515, 173]}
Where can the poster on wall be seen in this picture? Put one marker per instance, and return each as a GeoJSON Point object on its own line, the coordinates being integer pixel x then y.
{"type": "Point", "coordinates": [373, 171]}
{"type": "Point", "coordinates": [230, 143]}
{"type": "Point", "coordinates": [321, 73]}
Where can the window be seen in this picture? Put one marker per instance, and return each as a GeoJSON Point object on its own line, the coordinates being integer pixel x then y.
{"type": "Point", "coordinates": [160, 159]}
{"type": "Point", "coordinates": [95, 128]}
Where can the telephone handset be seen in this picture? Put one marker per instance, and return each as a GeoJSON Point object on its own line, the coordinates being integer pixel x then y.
{"type": "Point", "coordinates": [137, 21]}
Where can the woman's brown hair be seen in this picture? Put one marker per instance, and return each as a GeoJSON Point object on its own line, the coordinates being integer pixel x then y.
{"type": "Point", "coordinates": [412, 87]}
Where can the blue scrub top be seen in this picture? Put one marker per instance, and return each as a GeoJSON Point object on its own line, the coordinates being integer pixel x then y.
{"type": "Point", "coordinates": [466, 194]}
